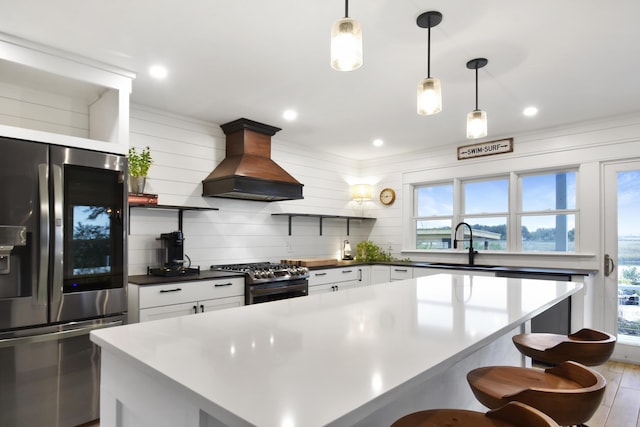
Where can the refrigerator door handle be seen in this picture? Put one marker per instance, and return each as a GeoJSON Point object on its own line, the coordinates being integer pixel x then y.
{"type": "Point", "coordinates": [58, 229]}
{"type": "Point", "coordinates": [43, 271]}
{"type": "Point", "coordinates": [55, 336]}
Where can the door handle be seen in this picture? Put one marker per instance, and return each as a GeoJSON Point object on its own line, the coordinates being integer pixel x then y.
{"type": "Point", "coordinates": [609, 265]}
{"type": "Point", "coordinates": [43, 272]}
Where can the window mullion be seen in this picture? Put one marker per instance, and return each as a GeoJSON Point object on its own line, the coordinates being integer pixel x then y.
{"type": "Point", "coordinates": [515, 207]}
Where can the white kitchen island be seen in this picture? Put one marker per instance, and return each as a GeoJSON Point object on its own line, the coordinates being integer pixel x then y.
{"type": "Point", "coordinates": [363, 356]}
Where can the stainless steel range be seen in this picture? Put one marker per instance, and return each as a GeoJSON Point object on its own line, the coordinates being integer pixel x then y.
{"type": "Point", "coordinates": [265, 281]}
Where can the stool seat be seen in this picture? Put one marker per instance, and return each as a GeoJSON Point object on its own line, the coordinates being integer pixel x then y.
{"type": "Point", "coordinates": [570, 393]}
{"type": "Point", "coordinates": [587, 347]}
{"type": "Point", "coordinates": [513, 414]}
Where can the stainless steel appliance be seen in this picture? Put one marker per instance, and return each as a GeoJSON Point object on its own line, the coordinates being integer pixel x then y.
{"type": "Point", "coordinates": [62, 274]}
{"type": "Point", "coordinates": [265, 281]}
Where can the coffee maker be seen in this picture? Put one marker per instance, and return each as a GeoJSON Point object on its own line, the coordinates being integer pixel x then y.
{"type": "Point", "coordinates": [171, 256]}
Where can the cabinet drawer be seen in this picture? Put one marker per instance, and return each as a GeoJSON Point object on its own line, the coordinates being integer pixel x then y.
{"type": "Point", "coordinates": [182, 292]}
{"type": "Point", "coordinates": [401, 273]}
{"type": "Point", "coordinates": [333, 275]}
{"type": "Point", "coordinates": [166, 312]}
{"type": "Point", "coordinates": [221, 288]}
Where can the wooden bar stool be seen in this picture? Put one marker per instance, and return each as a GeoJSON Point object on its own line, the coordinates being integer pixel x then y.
{"type": "Point", "coordinates": [513, 414]}
{"type": "Point", "coordinates": [570, 393]}
{"type": "Point", "coordinates": [587, 347]}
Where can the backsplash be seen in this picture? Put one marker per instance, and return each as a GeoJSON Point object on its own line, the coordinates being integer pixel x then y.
{"type": "Point", "coordinates": [186, 150]}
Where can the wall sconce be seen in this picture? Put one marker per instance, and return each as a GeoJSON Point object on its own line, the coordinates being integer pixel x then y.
{"type": "Point", "coordinates": [361, 192]}
{"type": "Point", "coordinates": [429, 93]}
{"type": "Point", "coordinates": [346, 43]}
{"type": "Point", "coordinates": [477, 119]}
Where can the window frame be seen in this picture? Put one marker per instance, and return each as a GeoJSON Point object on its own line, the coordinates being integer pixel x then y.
{"type": "Point", "coordinates": [513, 216]}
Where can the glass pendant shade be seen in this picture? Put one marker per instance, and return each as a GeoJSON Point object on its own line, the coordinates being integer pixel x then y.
{"type": "Point", "coordinates": [476, 124]}
{"type": "Point", "coordinates": [429, 96]}
{"type": "Point", "coordinates": [346, 45]}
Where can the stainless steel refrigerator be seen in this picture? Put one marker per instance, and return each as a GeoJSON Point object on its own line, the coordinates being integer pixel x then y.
{"type": "Point", "coordinates": [63, 225]}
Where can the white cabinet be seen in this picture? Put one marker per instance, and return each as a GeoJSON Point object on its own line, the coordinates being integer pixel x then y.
{"type": "Point", "coordinates": [151, 302]}
{"type": "Point", "coordinates": [364, 275]}
{"type": "Point", "coordinates": [400, 273]}
{"type": "Point", "coordinates": [380, 274]}
{"type": "Point", "coordinates": [333, 279]}
{"type": "Point", "coordinates": [59, 98]}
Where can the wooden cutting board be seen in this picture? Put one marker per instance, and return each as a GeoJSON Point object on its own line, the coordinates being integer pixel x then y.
{"type": "Point", "coordinates": [310, 262]}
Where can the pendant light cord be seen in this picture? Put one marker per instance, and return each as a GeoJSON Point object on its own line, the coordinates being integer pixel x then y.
{"type": "Point", "coordinates": [346, 8]}
{"type": "Point", "coordinates": [476, 88]}
{"type": "Point", "coordinates": [429, 51]}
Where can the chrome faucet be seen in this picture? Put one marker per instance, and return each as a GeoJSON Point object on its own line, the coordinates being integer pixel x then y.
{"type": "Point", "coordinates": [470, 240]}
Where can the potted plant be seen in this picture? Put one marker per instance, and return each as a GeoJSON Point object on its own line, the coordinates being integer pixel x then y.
{"type": "Point", "coordinates": [139, 164]}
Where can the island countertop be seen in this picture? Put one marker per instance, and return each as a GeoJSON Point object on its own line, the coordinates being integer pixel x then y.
{"type": "Point", "coordinates": [327, 359]}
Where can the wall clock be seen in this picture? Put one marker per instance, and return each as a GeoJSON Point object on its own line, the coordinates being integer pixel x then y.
{"type": "Point", "coordinates": [387, 196]}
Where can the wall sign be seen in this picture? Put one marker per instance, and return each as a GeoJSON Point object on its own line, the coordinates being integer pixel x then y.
{"type": "Point", "coordinates": [485, 149]}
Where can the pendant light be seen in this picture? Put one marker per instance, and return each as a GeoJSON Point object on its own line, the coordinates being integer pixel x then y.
{"type": "Point", "coordinates": [346, 43]}
{"type": "Point", "coordinates": [429, 93]}
{"type": "Point", "coordinates": [477, 119]}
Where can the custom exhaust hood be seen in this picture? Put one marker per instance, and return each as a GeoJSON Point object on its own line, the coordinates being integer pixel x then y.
{"type": "Point", "coordinates": [247, 172]}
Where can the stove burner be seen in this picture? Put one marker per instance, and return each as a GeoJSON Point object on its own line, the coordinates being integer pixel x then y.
{"type": "Point", "coordinates": [263, 272]}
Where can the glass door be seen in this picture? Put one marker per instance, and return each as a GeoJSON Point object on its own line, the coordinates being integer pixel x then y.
{"type": "Point", "coordinates": [89, 234]}
{"type": "Point", "coordinates": [621, 261]}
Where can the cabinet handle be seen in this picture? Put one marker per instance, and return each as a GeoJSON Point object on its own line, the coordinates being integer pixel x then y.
{"type": "Point", "coordinates": [337, 288]}
{"type": "Point", "coordinates": [201, 308]}
{"type": "Point", "coordinates": [403, 270]}
{"type": "Point", "coordinates": [195, 309]}
{"type": "Point", "coordinates": [320, 274]}
{"type": "Point", "coordinates": [164, 291]}
{"type": "Point", "coordinates": [217, 285]}
{"type": "Point", "coordinates": [347, 271]}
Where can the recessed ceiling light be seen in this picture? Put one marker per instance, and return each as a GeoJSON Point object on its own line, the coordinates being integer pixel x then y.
{"type": "Point", "coordinates": [378, 142]}
{"type": "Point", "coordinates": [530, 111]}
{"type": "Point", "coordinates": [290, 115]}
{"type": "Point", "coordinates": [158, 72]}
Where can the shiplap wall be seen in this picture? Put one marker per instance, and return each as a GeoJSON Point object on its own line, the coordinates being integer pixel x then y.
{"type": "Point", "coordinates": [185, 151]}
{"type": "Point", "coordinates": [585, 146]}
{"type": "Point", "coordinates": [48, 112]}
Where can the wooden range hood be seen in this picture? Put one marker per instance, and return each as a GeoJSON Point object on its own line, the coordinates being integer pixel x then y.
{"type": "Point", "coordinates": [247, 172]}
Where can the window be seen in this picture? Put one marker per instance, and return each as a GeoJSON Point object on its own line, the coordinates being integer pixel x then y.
{"type": "Point", "coordinates": [434, 208]}
{"type": "Point", "coordinates": [548, 215]}
{"type": "Point", "coordinates": [539, 214]}
{"type": "Point", "coordinates": [486, 207]}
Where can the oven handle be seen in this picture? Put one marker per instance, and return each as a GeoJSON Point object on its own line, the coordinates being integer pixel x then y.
{"type": "Point", "coordinates": [279, 289]}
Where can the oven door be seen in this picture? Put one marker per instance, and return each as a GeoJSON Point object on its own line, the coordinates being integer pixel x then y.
{"type": "Point", "coordinates": [274, 291]}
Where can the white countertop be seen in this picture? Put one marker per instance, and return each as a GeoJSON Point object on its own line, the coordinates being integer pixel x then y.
{"type": "Point", "coordinates": [316, 360]}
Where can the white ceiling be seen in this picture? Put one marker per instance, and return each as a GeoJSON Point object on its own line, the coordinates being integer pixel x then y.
{"type": "Point", "coordinates": [576, 60]}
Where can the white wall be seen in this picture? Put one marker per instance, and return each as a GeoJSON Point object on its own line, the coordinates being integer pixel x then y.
{"type": "Point", "coordinates": [185, 151]}
{"type": "Point", "coordinates": [586, 146]}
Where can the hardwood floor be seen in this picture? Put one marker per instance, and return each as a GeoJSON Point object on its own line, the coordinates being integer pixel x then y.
{"type": "Point", "coordinates": [620, 406]}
